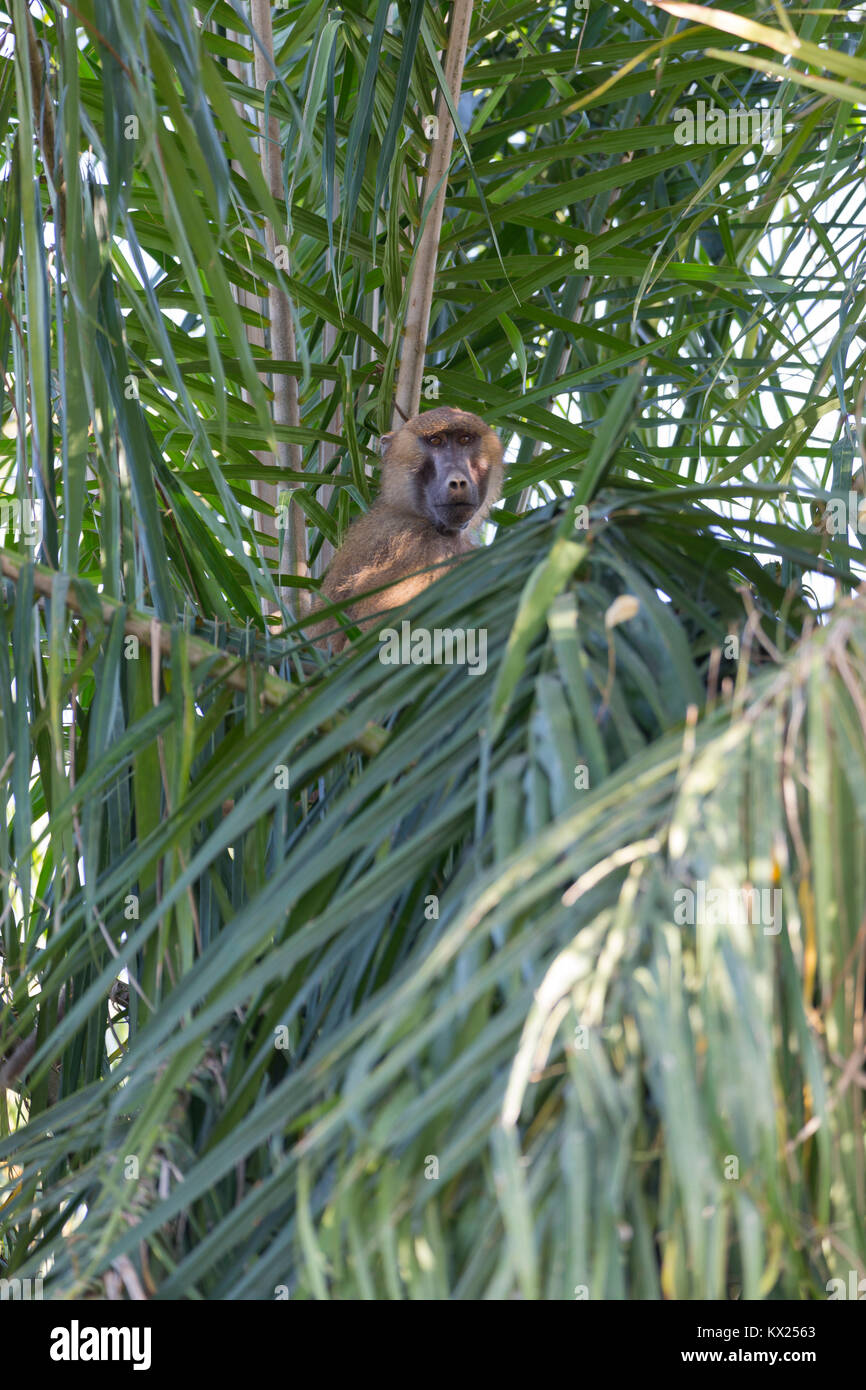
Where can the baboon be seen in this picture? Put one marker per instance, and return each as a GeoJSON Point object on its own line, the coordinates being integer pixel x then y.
{"type": "Point", "coordinates": [441, 473]}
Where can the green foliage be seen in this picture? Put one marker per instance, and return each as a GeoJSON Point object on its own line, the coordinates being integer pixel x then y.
{"type": "Point", "coordinates": [428, 1021]}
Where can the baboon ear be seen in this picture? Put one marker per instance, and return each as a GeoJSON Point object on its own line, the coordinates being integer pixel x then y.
{"type": "Point", "coordinates": [385, 441]}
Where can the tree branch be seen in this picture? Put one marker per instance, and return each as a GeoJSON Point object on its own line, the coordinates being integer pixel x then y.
{"type": "Point", "coordinates": [408, 390]}
{"type": "Point", "coordinates": [232, 671]}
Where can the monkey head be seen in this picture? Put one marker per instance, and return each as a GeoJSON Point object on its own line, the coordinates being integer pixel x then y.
{"type": "Point", "coordinates": [441, 472]}
{"type": "Point", "coordinates": [444, 466]}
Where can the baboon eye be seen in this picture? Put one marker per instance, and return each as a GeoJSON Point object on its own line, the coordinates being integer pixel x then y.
{"type": "Point", "coordinates": [465, 439]}
{"type": "Point", "coordinates": [435, 440]}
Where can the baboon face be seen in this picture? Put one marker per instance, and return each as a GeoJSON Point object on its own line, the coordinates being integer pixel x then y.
{"type": "Point", "coordinates": [448, 455]}
{"type": "Point", "coordinates": [441, 472]}
{"type": "Point", "coordinates": [450, 484]}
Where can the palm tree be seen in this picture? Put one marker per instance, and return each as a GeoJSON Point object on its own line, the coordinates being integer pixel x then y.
{"type": "Point", "coordinates": [544, 979]}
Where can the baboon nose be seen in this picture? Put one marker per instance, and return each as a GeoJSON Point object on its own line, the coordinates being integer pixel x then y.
{"type": "Point", "coordinates": [457, 485]}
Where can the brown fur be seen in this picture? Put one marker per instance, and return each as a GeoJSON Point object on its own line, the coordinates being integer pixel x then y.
{"type": "Point", "coordinates": [403, 532]}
